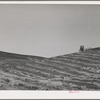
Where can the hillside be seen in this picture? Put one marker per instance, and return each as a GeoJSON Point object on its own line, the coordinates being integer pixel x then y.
{"type": "Point", "coordinates": [76, 71]}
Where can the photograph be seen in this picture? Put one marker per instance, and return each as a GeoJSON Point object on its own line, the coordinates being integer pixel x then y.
{"type": "Point", "coordinates": [50, 47]}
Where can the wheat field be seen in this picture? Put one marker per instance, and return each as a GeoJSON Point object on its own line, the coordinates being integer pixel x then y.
{"type": "Point", "coordinates": [76, 71]}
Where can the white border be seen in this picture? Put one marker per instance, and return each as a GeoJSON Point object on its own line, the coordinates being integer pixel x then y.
{"type": "Point", "coordinates": [50, 2]}
{"type": "Point", "coordinates": [12, 94]}
{"type": "Point", "coordinates": [49, 95]}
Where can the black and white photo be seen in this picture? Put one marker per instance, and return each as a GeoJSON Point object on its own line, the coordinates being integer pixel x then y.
{"type": "Point", "coordinates": [50, 47]}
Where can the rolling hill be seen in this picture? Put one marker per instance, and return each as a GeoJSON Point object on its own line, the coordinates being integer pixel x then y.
{"type": "Point", "coordinates": [76, 71]}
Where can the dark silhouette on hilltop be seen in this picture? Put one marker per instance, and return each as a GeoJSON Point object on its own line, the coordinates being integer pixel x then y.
{"type": "Point", "coordinates": [81, 48]}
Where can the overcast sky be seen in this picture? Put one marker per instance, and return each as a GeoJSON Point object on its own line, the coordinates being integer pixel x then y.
{"type": "Point", "coordinates": [48, 30]}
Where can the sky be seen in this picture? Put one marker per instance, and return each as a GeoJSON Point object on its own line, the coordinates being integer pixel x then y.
{"type": "Point", "coordinates": [48, 30]}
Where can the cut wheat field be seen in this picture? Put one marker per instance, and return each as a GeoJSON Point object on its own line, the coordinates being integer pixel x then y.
{"type": "Point", "coordinates": [76, 71]}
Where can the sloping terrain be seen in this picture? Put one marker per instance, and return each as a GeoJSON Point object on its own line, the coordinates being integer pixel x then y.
{"type": "Point", "coordinates": [76, 71]}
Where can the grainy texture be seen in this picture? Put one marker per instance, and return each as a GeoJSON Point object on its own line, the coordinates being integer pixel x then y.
{"type": "Point", "coordinates": [76, 71]}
